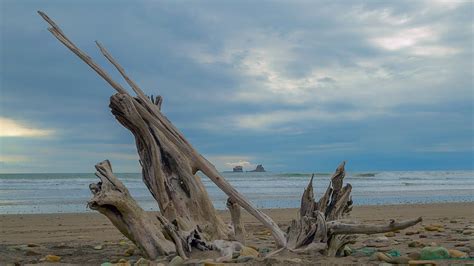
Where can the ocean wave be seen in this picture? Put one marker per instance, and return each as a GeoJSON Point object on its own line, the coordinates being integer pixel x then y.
{"type": "Point", "coordinates": [365, 174]}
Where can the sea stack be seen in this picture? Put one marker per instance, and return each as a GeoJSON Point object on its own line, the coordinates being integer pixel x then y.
{"type": "Point", "coordinates": [238, 169]}
{"type": "Point", "coordinates": [259, 169]}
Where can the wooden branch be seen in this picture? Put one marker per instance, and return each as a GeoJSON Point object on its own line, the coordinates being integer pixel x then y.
{"type": "Point", "coordinates": [336, 227]}
{"type": "Point", "coordinates": [120, 69]}
{"type": "Point", "coordinates": [239, 229]}
{"type": "Point", "coordinates": [58, 33]}
{"type": "Point", "coordinates": [111, 198]}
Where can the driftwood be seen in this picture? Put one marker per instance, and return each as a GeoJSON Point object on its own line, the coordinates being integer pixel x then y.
{"type": "Point", "coordinates": [187, 218]}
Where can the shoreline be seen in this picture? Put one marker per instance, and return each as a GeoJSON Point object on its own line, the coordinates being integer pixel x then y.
{"type": "Point", "coordinates": [82, 231]}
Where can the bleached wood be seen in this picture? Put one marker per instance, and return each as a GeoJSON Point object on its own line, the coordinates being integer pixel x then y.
{"type": "Point", "coordinates": [237, 224]}
{"type": "Point", "coordinates": [337, 227]}
{"type": "Point", "coordinates": [169, 166]}
{"type": "Point", "coordinates": [112, 198]}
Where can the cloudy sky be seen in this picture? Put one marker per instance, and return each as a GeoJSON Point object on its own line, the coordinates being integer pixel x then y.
{"type": "Point", "coordinates": [296, 86]}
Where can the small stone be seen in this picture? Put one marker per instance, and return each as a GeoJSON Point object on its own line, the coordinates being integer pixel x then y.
{"type": "Point", "coordinates": [416, 244]}
{"type": "Point", "coordinates": [129, 252]}
{"type": "Point", "coordinates": [467, 232]}
{"type": "Point", "coordinates": [52, 258]}
{"type": "Point", "coordinates": [434, 253]}
{"type": "Point", "coordinates": [247, 251]}
{"type": "Point", "coordinates": [414, 255]}
{"type": "Point", "coordinates": [459, 244]}
{"type": "Point", "coordinates": [382, 257]}
{"type": "Point", "coordinates": [431, 228]}
{"type": "Point", "coordinates": [422, 236]}
{"type": "Point", "coordinates": [98, 247]}
{"type": "Point", "coordinates": [122, 242]}
{"type": "Point", "coordinates": [390, 234]}
{"type": "Point", "coordinates": [122, 261]}
{"type": "Point", "coordinates": [457, 254]}
{"type": "Point", "coordinates": [32, 245]}
{"type": "Point", "coordinates": [176, 261]}
{"type": "Point", "coordinates": [453, 221]}
{"type": "Point", "coordinates": [409, 233]}
{"type": "Point", "coordinates": [32, 253]}
{"type": "Point", "coordinates": [377, 242]}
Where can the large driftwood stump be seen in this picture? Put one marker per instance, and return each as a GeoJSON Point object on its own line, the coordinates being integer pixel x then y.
{"type": "Point", "coordinates": [187, 218]}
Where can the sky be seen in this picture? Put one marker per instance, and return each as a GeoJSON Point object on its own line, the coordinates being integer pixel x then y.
{"type": "Point", "coordinates": [293, 85]}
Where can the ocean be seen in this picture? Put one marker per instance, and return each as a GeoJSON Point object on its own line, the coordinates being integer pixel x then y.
{"type": "Point", "coordinates": [66, 193]}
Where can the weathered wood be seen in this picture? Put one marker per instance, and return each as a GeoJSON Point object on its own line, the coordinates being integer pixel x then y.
{"type": "Point", "coordinates": [337, 227]}
{"type": "Point", "coordinates": [237, 224]}
{"type": "Point", "coordinates": [320, 227]}
{"type": "Point", "coordinates": [111, 198]}
{"type": "Point", "coordinates": [169, 162]}
{"type": "Point", "coordinates": [188, 219]}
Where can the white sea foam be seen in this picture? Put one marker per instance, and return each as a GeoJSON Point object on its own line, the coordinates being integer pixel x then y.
{"type": "Point", "coordinates": [56, 193]}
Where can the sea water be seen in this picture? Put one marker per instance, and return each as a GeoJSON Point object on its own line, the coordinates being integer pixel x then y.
{"type": "Point", "coordinates": [64, 193]}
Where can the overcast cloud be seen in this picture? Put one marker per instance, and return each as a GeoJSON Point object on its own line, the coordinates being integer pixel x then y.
{"type": "Point", "coordinates": [292, 85]}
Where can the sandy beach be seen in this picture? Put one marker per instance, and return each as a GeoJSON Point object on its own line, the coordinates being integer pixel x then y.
{"type": "Point", "coordinates": [89, 238]}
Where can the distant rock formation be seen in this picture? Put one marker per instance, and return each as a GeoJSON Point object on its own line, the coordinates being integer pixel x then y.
{"type": "Point", "coordinates": [259, 169]}
{"type": "Point", "coordinates": [238, 169]}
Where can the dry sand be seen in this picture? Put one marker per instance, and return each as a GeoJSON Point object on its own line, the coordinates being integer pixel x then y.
{"type": "Point", "coordinates": [74, 236]}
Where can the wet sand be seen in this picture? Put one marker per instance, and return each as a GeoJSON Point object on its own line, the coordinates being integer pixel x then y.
{"type": "Point", "coordinates": [74, 236]}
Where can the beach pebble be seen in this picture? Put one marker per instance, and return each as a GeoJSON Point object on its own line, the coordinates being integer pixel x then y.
{"type": "Point", "coordinates": [409, 233]}
{"type": "Point", "coordinates": [32, 245]}
{"type": "Point", "coordinates": [422, 236]}
{"type": "Point", "coordinates": [377, 242]}
{"type": "Point", "coordinates": [468, 232]}
{"type": "Point", "coordinates": [431, 228]}
{"type": "Point", "coordinates": [434, 253]}
{"type": "Point", "coordinates": [414, 255]}
{"type": "Point", "coordinates": [32, 253]}
{"type": "Point", "coordinates": [98, 247]}
{"type": "Point", "coordinates": [52, 258]}
{"type": "Point", "coordinates": [176, 261]}
{"type": "Point", "coordinates": [248, 252]}
{"type": "Point", "coordinates": [457, 254]}
{"type": "Point", "coordinates": [416, 244]}
{"type": "Point", "coordinates": [390, 234]}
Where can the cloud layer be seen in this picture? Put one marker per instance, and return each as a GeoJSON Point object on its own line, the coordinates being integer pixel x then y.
{"type": "Point", "coordinates": [295, 86]}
